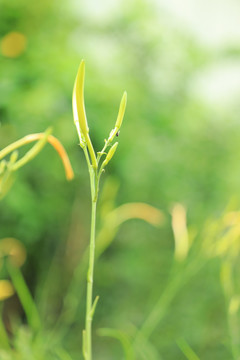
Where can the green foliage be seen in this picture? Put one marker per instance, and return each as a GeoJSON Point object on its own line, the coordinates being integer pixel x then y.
{"type": "Point", "coordinates": [180, 144]}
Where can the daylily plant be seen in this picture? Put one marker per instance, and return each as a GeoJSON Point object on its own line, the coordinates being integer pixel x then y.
{"type": "Point", "coordinates": [8, 167]}
{"type": "Point", "coordinates": [96, 165]}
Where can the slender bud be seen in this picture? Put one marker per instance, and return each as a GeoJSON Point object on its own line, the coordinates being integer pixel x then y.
{"type": "Point", "coordinates": [79, 114]}
{"type": "Point", "coordinates": [121, 111]}
{"type": "Point", "coordinates": [110, 154]}
{"type": "Point", "coordinates": [120, 116]}
{"type": "Point", "coordinates": [13, 157]}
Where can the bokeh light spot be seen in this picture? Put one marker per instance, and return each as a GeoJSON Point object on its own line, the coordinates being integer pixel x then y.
{"type": "Point", "coordinates": [13, 44]}
{"type": "Point", "coordinates": [14, 249]}
{"type": "Point", "coordinates": [6, 289]}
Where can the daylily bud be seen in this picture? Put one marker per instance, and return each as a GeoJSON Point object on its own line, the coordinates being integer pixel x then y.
{"type": "Point", "coordinates": [13, 157]}
{"type": "Point", "coordinates": [79, 113]}
{"type": "Point", "coordinates": [121, 111]}
{"type": "Point", "coordinates": [110, 154]}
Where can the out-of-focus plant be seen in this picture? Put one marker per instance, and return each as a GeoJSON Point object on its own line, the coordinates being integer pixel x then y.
{"type": "Point", "coordinates": [13, 254]}
{"type": "Point", "coordinates": [13, 249]}
{"type": "Point", "coordinates": [181, 270]}
{"type": "Point", "coordinates": [10, 166]}
{"type": "Point", "coordinates": [187, 350]}
{"type": "Point", "coordinates": [124, 340]}
{"type": "Point", "coordinates": [96, 167]}
{"type": "Point", "coordinates": [225, 244]}
{"type": "Point", "coordinates": [193, 250]}
{"type": "Point", "coordinates": [26, 342]}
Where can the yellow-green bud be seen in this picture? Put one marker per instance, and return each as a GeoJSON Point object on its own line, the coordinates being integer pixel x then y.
{"type": "Point", "coordinates": [121, 111]}
{"type": "Point", "coordinates": [13, 157]}
{"type": "Point", "coordinates": [120, 116]}
{"type": "Point", "coordinates": [79, 113]}
{"type": "Point", "coordinates": [110, 154]}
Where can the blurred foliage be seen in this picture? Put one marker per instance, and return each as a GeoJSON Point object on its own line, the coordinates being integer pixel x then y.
{"type": "Point", "coordinates": [179, 144]}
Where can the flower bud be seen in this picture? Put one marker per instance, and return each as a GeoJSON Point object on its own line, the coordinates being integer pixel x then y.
{"type": "Point", "coordinates": [118, 124]}
{"type": "Point", "coordinates": [79, 113]}
{"type": "Point", "coordinates": [110, 154]}
{"type": "Point", "coordinates": [121, 111]}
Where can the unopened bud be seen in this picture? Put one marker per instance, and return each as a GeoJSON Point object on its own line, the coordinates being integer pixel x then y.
{"type": "Point", "coordinates": [120, 116]}
{"type": "Point", "coordinates": [79, 114]}
{"type": "Point", "coordinates": [121, 111]}
{"type": "Point", "coordinates": [13, 157]}
{"type": "Point", "coordinates": [110, 154]}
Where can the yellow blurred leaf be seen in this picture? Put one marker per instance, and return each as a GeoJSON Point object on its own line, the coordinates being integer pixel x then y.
{"type": "Point", "coordinates": [6, 289]}
{"type": "Point", "coordinates": [14, 249]}
{"type": "Point", "coordinates": [13, 44]}
{"type": "Point", "coordinates": [180, 231]}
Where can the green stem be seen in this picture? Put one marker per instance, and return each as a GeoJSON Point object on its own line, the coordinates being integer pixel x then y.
{"type": "Point", "coordinates": [234, 332]}
{"type": "Point", "coordinates": [161, 307]}
{"type": "Point", "coordinates": [89, 306]}
{"type": "Point", "coordinates": [87, 158]}
{"type": "Point", "coordinates": [91, 151]}
{"type": "Point", "coordinates": [4, 340]}
{"type": "Point", "coordinates": [25, 297]}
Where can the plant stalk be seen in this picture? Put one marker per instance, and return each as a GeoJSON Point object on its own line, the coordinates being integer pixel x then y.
{"type": "Point", "coordinates": [95, 172]}
{"type": "Point", "coordinates": [25, 297]}
{"type": "Point", "coordinates": [87, 346]}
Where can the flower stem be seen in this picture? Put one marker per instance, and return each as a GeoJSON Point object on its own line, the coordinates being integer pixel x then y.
{"type": "Point", "coordinates": [89, 312]}
{"type": "Point", "coordinates": [95, 171]}
{"type": "Point", "coordinates": [90, 305]}
{"type": "Point", "coordinates": [25, 297]}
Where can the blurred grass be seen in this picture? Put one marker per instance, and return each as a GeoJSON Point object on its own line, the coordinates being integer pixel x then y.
{"type": "Point", "coordinates": [179, 143]}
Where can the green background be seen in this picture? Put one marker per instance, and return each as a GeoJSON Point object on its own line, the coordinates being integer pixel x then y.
{"type": "Point", "coordinates": [179, 142]}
